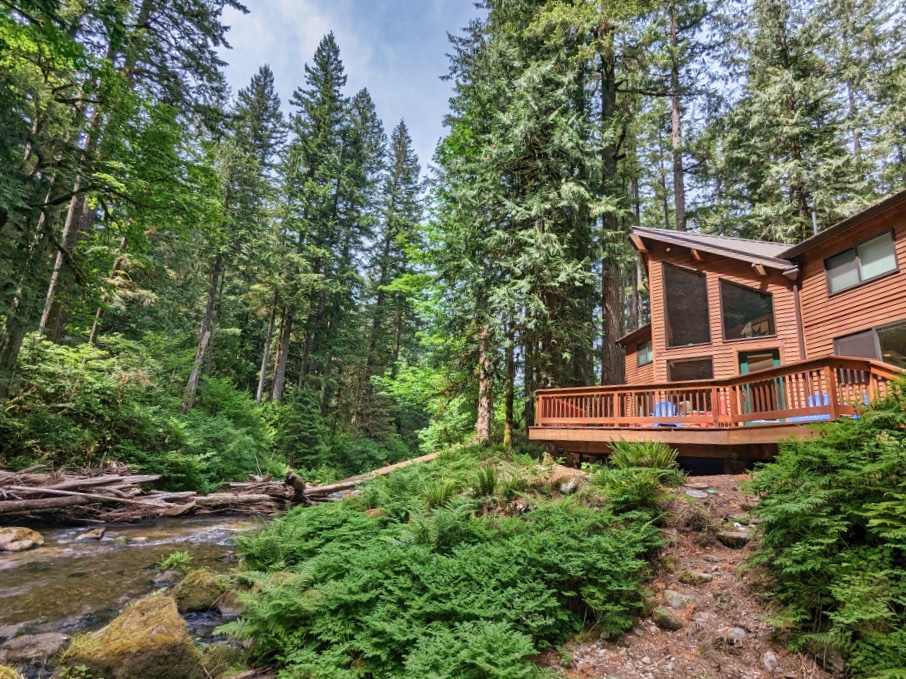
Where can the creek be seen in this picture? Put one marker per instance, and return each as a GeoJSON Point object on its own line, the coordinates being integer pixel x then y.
{"type": "Point", "coordinates": [69, 586]}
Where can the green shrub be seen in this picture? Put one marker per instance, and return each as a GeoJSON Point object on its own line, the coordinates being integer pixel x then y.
{"type": "Point", "coordinates": [625, 454]}
{"type": "Point", "coordinates": [88, 404]}
{"type": "Point", "coordinates": [832, 536]}
{"type": "Point", "coordinates": [485, 483]}
{"type": "Point", "coordinates": [438, 493]}
{"type": "Point", "coordinates": [449, 592]}
{"type": "Point", "coordinates": [633, 489]}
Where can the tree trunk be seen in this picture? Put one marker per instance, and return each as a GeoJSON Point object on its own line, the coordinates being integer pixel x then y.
{"type": "Point", "coordinates": [265, 357]}
{"type": "Point", "coordinates": [676, 122]}
{"type": "Point", "coordinates": [67, 241]}
{"type": "Point", "coordinates": [485, 377]}
{"type": "Point", "coordinates": [286, 330]}
{"type": "Point", "coordinates": [613, 236]}
{"type": "Point", "coordinates": [509, 390]}
{"type": "Point", "coordinates": [204, 336]}
{"type": "Point", "coordinates": [529, 368]}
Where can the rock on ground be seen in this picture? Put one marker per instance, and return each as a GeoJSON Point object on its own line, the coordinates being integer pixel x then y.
{"type": "Point", "coordinates": [734, 539]}
{"type": "Point", "coordinates": [198, 591]}
{"type": "Point", "coordinates": [149, 640]}
{"type": "Point", "coordinates": [34, 648]}
{"type": "Point", "coordinates": [19, 539]}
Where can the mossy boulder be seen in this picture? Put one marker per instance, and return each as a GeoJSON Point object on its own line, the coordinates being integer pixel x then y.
{"type": "Point", "coordinates": [666, 620]}
{"type": "Point", "coordinates": [694, 578]}
{"type": "Point", "coordinates": [7, 672]}
{"type": "Point", "coordinates": [14, 539]}
{"type": "Point", "coordinates": [148, 640]}
{"type": "Point", "coordinates": [199, 591]}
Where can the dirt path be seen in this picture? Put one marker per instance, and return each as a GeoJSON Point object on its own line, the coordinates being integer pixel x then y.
{"type": "Point", "coordinates": [719, 615]}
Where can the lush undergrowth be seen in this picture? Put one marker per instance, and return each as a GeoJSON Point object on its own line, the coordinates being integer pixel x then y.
{"type": "Point", "coordinates": [466, 567]}
{"type": "Point", "coordinates": [834, 538]}
{"type": "Point", "coordinates": [84, 405]}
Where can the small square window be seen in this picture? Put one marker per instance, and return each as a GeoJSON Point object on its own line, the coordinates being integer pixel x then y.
{"type": "Point", "coordinates": [645, 353]}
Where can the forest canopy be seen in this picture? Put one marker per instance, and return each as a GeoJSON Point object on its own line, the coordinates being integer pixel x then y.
{"type": "Point", "coordinates": [208, 283]}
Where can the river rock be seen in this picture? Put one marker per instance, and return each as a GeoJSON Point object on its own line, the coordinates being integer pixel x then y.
{"type": "Point", "coordinates": [166, 578]}
{"type": "Point", "coordinates": [734, 539]}
{"type": "Point", "coordinates": [95, 534]}
{"type": "Point", "coordinates": [694, 578]}
{"type": "Point", "coordinates": [19, 539]}
{"type": "Point", "coordinates": [40, 649]}
{"type": "Point", "coordinates": [697, 494]}
{"type": "Point", "coordinates": [677, 600]}
{"type": "Point", "coordinates": [769, 661]}
{"type": "Point", "coordinates": [148, 640]}
{"type": "Point", "coordinates": [9, 631]}
{"type": "Point", "coordinates": [198, 591]}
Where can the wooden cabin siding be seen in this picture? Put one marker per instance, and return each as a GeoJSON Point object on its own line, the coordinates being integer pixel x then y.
{"type": "Point", "coordinates": [636, 374]}
{"type": "Point", "coordinates": [725, 355]}
{"type": "Point", "coordinates": [865, 306]}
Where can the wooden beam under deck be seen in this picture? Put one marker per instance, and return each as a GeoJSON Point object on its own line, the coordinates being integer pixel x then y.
{"type": "Point", "coordinates": [758, 442]}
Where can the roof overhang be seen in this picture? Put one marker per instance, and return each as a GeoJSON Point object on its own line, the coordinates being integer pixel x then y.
{"type": "Point", "coordinates": [642, 333]}
{"type": "Point", "coordinates": [641, 234]}
{"type": "Point", "coordinates": [878, 208]}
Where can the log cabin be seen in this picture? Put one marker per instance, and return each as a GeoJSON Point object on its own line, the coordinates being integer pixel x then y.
{"type": "Point", "coordinates": [749, 341]}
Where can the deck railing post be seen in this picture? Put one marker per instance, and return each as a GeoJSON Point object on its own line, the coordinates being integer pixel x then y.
{"type": "Point", "coordinates": [715, 406]}
{"type": "Point", "coordinates": [830, 376]}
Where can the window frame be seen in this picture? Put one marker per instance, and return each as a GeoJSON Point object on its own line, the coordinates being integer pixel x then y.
{"type": "Point", "coordinates": [704, 275]}
{"type": "Point", "coordinates": [638, 354]}
{"type": "Point", "coordinates": [692, 359]}
{"type": "Point", "coordinates": [723, 328]}
{"type": "Point", "coordinates": [877, 338]}
{"type": "Point", "coordinates": [862, 281]}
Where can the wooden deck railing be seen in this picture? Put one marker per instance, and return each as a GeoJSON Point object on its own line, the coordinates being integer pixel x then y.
{"type": "Point", "coordinates": [819, 389]}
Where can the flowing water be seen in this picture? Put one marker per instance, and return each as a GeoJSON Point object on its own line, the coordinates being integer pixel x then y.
{"type": "Point", "coordinates": [69, 586]}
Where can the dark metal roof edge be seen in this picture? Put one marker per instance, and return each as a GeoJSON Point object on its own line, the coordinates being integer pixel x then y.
{"type": "Point", "coordinates": [674, 239]}
{"type": "Point", "coordinates": [878, 208]}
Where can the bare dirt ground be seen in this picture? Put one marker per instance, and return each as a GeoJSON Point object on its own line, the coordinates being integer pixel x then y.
{"type": "Point", "coordinates": [700, 591]}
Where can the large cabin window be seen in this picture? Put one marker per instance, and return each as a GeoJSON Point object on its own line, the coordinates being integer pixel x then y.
{"type": "Point", "coordinates": [872, 259]}
{"type": "Point", "coordinates": [686, 306]}
{"type": "Point", "coordinates": [746, 312]}
{"type": "Point", "coordinates": [690, 369]}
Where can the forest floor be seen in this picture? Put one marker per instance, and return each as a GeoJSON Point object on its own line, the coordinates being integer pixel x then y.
{"type": "Point", "coordinates": [722, 632]}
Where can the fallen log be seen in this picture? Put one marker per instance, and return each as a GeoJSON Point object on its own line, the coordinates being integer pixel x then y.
{"type": "Point", "coordinates": [218, 499]}
{"type": "Point", "coordinates": [41, 504]}
{"type": "Point", "coordinates": [91, 496]}
{"type": "Point", "coordinates": [353, 481]}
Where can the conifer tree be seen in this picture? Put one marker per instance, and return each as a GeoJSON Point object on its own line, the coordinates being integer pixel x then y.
{"type": "Point", "coordinates": [784, 149]}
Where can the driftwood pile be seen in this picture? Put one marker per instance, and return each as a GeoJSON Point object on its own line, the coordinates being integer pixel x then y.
{"type": "Point", "coordinates": [116, 493]}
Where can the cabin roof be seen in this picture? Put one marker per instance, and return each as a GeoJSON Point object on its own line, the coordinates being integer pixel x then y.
{"type": "Point", "coordinates": [754, 251]}
{"type": "Point", "coordinates": [639, 333]}
{"type": "Point", "coordinates": [878, 208]}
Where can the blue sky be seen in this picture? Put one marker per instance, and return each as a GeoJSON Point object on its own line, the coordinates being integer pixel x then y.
{"type": "Point", "coordinates": [395, 48]}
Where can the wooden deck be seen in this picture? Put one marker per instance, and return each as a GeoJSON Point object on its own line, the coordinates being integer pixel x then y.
{"type": "Point", "coordinates": [742, 416]}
